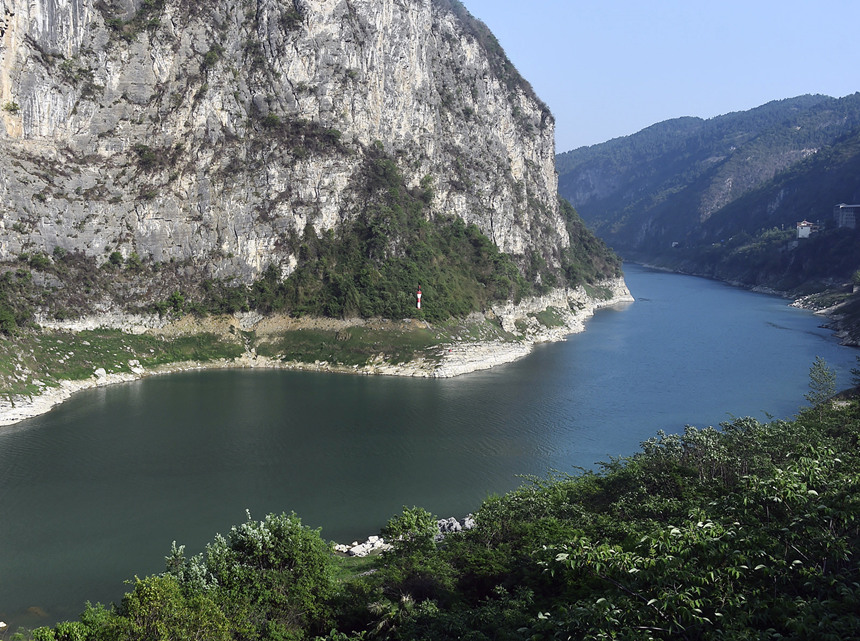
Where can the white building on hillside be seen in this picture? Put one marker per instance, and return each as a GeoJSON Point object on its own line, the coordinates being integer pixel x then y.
{"type": "Point", "coordinates": [805, 228]}
{"type": "Point", "coordinates": [846, 215]}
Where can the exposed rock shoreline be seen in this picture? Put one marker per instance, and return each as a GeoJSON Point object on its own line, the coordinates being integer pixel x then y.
{"type": "Point", "coordinates": [376, 544]}
{"type": "Point", "coordinates": [572, 308]}
{"type": "Point", "coordinates": [844, 326]}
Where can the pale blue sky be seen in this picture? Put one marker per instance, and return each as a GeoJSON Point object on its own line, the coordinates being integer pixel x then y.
{"type": "Point", "coordinates": [610, 68]}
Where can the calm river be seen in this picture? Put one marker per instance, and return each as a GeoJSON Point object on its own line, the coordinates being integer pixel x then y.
{"type": "Point", "coordinates": [93, 493]}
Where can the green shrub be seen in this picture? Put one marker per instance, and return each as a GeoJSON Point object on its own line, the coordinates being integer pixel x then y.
{"type": "Point", "coordinates": [273, 577]}
{"type": "Point", "coordinates": [176, 302]}
{"type": "Point", "coordinates": [157, 608]}
{"type": "Point", "coordinates": [147, 158]}
{"type": "Point", "coordinates": [270, 121]}
{"type": "Point", "coordinates": [40, 261]}
{"type": "Point", "coordinates": [291, 19]}
{"type": "Point", "coordinates": [212, 56]}
{"type": "Point", "coordinates": [411, 533]}
{"type": "Point", "coordinates": [8, 325]}
{"type": "Point", "coordinates": [133, 262]}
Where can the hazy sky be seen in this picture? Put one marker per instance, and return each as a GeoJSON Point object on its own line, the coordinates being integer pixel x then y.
{"type": "Point", "coordinates": [609, 68]}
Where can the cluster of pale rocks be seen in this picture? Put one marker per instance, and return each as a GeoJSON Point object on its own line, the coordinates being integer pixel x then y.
{"type": "Point", "coordinates": [372, 544]}
{"type": "Point", "coordinates": [377, 543]}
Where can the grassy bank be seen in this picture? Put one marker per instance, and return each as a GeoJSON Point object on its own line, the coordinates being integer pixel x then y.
{"type": "Point", "coordinates": [34, 360]}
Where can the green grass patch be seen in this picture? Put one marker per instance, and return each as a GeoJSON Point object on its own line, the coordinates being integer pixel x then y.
{"type": "Point", "coordinates": [352, 346]}
{"type": "Point", "coordinates": [363, 345]}
{"type": "Point", "coordinates": [50, 357]}
{"type": "Point", "coordinates": [31, 360]}
{"type": "Point", "coordinates": [472, 331]}
{"type": "Point", "coordinates": [198, 347]}
{"type": "Point", "coordinates": [597, 292]}
{"type": "Point", "coordinates": [550, 317]}
{"type": "Point", "coordinates": [350, 567]}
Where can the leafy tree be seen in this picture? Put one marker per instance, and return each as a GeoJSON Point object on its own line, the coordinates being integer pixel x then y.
{"type": "Point", "coordinates": [273, 577]}
{"type": "Point", "coordinates": [412, 532]}
{"type": "Point", "coordinates": [855, 374]}
{"type": "Point", "coordinates": [158, 610]}
{"type": "Point", "coordinates": [64, 631]}
{"type": "Point", "coordinates": [98, 620]}
{"type": "Point", "coordinates": [822, 383]}
{"type": "Point", "coordinates": [413, 566]}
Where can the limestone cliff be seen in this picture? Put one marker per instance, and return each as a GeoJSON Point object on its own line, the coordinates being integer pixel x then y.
{"type": "Point", "coordinates": [216, 132]}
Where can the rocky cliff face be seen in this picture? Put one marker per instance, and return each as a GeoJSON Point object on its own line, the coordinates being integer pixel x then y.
{"type": "Point", "coordinates": [216, 132]}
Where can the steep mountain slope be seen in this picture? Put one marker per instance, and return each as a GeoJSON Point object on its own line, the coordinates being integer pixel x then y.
{"type": "Point", "coordinates": [807, 190]}
{"type": "Point", "coordinates": [760, 247]}
{"type": "Point", "coordinates": [642, 193]}
{"type": "Point", "coordinates": [228, 138]}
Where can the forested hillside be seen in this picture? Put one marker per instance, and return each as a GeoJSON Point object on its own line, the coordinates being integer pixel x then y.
{"type": "Point", "coordinates": [751, 531]}
{"type": "Point", "coordinates": [664, 185]}
{"type": "Point", "coordinates": [753, 240]}
{"type": "Point", "coordinates": [721, 198]}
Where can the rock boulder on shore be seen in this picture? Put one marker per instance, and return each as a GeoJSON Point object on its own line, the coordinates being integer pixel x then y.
{"type": "Point", "coordinates": [376, 544]}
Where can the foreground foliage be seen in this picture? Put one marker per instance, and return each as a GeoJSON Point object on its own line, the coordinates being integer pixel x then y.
{"type": "Point", "coordinates": [750, 531]}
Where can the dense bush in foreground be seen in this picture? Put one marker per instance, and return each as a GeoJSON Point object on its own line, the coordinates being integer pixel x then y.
{"type": "Point", "coordinates": [746, 532]}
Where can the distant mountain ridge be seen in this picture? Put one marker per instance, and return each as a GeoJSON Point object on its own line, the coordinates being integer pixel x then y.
{"type": "Point", "coordinates": [721, 198]}
{"type": "Point", "coordinates": [670, 183]}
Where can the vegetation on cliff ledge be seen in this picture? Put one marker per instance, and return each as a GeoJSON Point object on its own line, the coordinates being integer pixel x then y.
{"type": "Point", "coordinates": [369, 266]}
{"type": "Point", "coordinates": [374, 262]}
{"type": "Point", "coordinates": [745, 532]}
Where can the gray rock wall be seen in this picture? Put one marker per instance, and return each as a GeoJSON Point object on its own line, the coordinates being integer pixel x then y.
{"type": "Point", "coordinates": [217, 132]}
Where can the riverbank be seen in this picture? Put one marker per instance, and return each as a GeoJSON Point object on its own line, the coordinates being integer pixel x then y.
{"type": "Point", "coordinates": [841, 309]}
{"type": "Point", "coordinates": [839, 305]}
{"type": "Point", "coordinates": [138, 346]}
